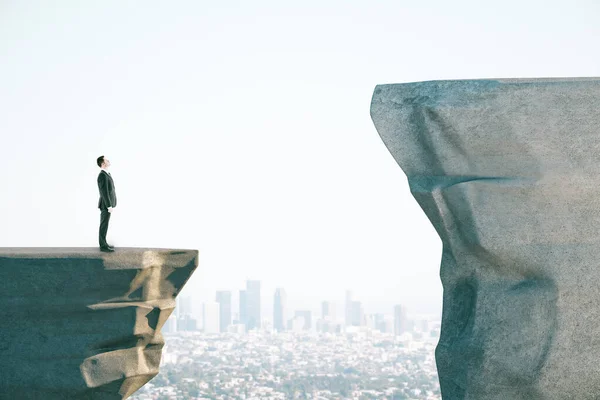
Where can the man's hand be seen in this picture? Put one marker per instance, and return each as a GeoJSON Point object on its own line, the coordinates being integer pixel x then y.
{"type": "Point", "coordinates": [110, 209]}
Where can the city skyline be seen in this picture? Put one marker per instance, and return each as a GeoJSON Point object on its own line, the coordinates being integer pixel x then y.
{"type": "Point", "coordinates": [296, 300]}
{"type": "Point", "coordinates": [281, 317]}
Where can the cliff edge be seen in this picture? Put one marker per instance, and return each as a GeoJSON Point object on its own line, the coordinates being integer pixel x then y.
{"type": "Point", "coordinates": [76, 323]}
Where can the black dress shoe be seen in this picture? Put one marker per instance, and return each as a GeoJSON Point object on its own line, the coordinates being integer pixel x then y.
{"type": "Point", "coordinates": [107, 249]}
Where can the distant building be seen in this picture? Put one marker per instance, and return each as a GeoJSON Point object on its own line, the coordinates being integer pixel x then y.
{"type": "Point", "coordinates": [296, 324]}
{"type": "Point", "coordinates": [348, 308]}
{"type": "Point", "coordinates": [243, 314]}
{"type": "Point", "coordinates": [266, 325]}
{"type": "Point", "coordinates": [400, 320]}
{"type": "Point", "coordinates": [279, 311]}
{"type": "Point", "coordinates": [357, 315]}
{"type": "Point", "coordinates": [370, 321]}
{"type": "Point", "coordinates": [387, 326]}
{"type": "Point", "coordinates": [328, 310]}
{"type": "Point", "coordinates": [210, 317]}
{"type": "Point", "coordinates": [186, 323]}
{"type": "Point", "coordinates": [250, 305]}
{"type": "Point", "coordinates": [196, 313]}
{"type": "Point", "coordinates": [184, 306]}
{"type": "Point", "coordinates": [306, 314]}
{"type": "Point", "coordinates": [236, 328]}
{"type": "Point", "coordinates": [223, 297]}
{"type": "Point", "coordinates": [327, 325]}
{"type": "Point", "coordinates": [170, 325]}
{"type": "Point", "coordinates": [379, 321]}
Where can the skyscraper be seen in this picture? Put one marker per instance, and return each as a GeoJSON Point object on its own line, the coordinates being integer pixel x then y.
{"type": "Point", "coordinates": [400, 320]}
{"type": "Point", "coordinates": [357, 317]}
{"type": "Point", "coordinates": [171, 324]}
{"type": "Point", "coordinates": [380, 322]}
{"type": "Point", "coordinates": [184, 313]}
{"type": "Point", "coordinates": [328, 310]}
{"type": "Point", "coordinates": [243, 317]}
{"type": "Point", "coordinates": [223, 297]}
{"type": "Point", "coordinates": [252, 304]}
{"type": "Point", "coordinates": [279, 314]}
{"type": "Point", "coordinates": [185, 306]}
{"type": "Point", "coordinates": [348, 306]}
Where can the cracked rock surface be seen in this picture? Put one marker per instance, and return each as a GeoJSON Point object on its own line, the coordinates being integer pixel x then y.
{"type": "Point", "coordinates": [76, 323]}
{"type": "Point", "coordinates": [508, 173]}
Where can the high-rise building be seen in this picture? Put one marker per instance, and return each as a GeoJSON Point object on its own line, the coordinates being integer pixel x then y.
{"type": "Point", "coordinates": [327, 325]}
{"type": "Point", "coordinates": [210, 317]}
{"type": "Point", "coordinates": [266, 325]}
{"type": "Point", "coordinates": [223, 297]}
{"type": "Point", "coordinates": [188, 317]}
{"type": "Point", "coordinates": [186, 323]}
{"type": "Point", "coordinates": [279, 314]}
{"type": "Point", "coordinates": [306, 314]}
{"type": "Point", "coordinates": [388, 324]}
{"type": "Point", "coordinates": [177, 310]}
{"type": "Point", "coordinates": [380, 322]}
{"type": "Point", "coordinates": [185, 306]}
{"type": "Point", "coordinates": [243, 315]}
{"type": "Point", "coordinates": [296, 324]}
{"type": "Point", "coordinates": [236, 328]}
{"type": "Point", "coordinates": [170, 325]}
{"type": "Point", "coordinates": [357, 315]}
{"type": "Point", "coordinates": [328, 310]}
{"type": "Point", "coordinates": [252, 304]}
{"type": "Point", "coordinates": [400, 320]}
{"type": "Point", "coordinates": [348, 308]}
{"type": "Point", "coordinates": [370, 321]}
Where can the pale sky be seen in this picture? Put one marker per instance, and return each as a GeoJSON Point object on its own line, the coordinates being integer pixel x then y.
{"type": "Point", "coordinates": [242, 129]}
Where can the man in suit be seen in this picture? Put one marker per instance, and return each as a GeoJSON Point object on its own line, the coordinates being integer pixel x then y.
{"type": "Point", "coordinates": [107, 201]}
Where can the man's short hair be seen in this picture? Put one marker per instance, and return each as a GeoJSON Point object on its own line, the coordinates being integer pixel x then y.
{"type": "Point", "coordinates": [100, 160]}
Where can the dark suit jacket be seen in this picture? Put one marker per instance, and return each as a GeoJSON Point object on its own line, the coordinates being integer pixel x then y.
{"type": "Point", "coordinates": [106, 186]}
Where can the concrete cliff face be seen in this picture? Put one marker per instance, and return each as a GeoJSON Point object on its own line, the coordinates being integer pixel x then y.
{"type": "Point", "coordinates": [76, 323]}
{"type": "Point", "coordinates": [508, 172]}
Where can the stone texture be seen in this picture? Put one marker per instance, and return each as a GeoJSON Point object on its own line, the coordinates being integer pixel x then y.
{"type": "Point", "coordinates": [76, 323]}
{"type": "Point", "coordinates": [508, 172]}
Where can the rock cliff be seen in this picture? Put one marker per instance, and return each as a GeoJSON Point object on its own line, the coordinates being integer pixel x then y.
{"type": "Point", "coordinates": [76, 323]}
{"type": "Point", "coordinates": [508, 172]}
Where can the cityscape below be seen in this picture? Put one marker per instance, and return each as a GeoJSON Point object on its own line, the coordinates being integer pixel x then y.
{"type": "Point", "coordinates": [215, 351]}
{"type": "Point", "coordinates": [220, 315]}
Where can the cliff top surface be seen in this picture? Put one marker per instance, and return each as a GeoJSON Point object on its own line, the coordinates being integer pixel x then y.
{"type": "Point", "coordinates": [82, 251]}
{"type": "Point", "coordinates": [122, 257]}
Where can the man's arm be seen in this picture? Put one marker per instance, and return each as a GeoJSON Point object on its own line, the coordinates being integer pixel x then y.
{"type": "Point", "coordinates": [103, 186]}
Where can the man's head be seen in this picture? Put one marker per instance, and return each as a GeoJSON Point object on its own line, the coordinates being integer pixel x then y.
{"type": "Point", "coordinates": [103, 162]}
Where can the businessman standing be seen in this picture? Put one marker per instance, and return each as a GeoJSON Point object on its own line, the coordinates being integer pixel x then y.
{"type": "Point", "coordinates": [107, 201]}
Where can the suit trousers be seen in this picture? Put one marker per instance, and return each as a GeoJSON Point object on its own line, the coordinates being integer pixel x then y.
{"type": "Point", "coordinates": [104, 218]}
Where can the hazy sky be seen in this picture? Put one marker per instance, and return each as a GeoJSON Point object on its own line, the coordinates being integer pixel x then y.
{"type": "Point", "coordinates": [242, 129]}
